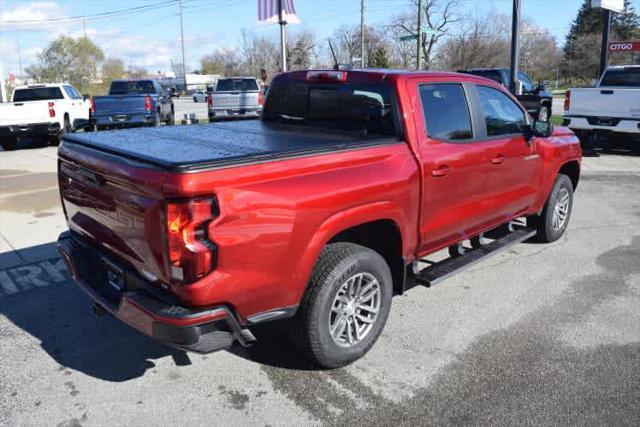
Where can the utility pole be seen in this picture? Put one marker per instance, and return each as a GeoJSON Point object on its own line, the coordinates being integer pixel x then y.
{"type": "Point", "coordinates": [361, 33]}
{"type": "Point", "coordinates": [283, 37]}
{"type": "Point", "coordinates": [184, 67]}
{"type": "Point", "coordinates": [19, 56]}
{"type": "Point", "coordinates": [606, 31]}
{"type": "Point", "coordinates": [84, 25]}
{"type": "Point", "coordinates": [515, 46]}
{"type": "Point", "coordinates": [419, 40]}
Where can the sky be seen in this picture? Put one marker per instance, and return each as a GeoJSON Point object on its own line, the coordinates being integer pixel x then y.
{"type": "Point", "coordinates": [151, 37]}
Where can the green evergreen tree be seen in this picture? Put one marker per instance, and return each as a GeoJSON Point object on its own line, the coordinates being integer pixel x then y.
{"type": "Point", "coordinates": [381, 59]}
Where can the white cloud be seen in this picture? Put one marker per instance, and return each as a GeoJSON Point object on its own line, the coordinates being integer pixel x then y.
{"type": "Point", "coordinates": [26, 16]}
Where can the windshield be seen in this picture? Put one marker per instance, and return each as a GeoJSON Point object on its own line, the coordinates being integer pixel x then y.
{"type": "Point", "coordinates": [134, 87]}
{"type": "Point", "coordinates": [37, 94]}
{"type": "Point", "coordinates": [365, 108]}
{"type": "Point", "coordinates": [622, 77]}
{"type": "Point", "coordinates": [236, 85]}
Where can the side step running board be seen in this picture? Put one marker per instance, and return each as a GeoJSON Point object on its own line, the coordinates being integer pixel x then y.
{"type": "Point", "coordinates": [443, 269]}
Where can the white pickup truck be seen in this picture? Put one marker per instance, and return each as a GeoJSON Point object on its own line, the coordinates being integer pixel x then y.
{"type": "Point", "coordinates": [42, 111]}
{"type": "Point", "coordinates": [613, 106]}
{"type": "Point", "coordinates": [235, 97]}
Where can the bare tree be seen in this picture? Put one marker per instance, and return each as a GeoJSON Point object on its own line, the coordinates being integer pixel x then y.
{"type": "Point", "coordinates": [225, 61]}
{"type": "Point", "coordinates": [439, 16]}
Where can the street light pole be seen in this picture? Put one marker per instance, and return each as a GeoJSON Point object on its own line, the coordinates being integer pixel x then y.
{"type": "Point", "coordinates": [419, 40]}
{"type": "Point", "coordinates": [606, 31]}
{"type": "Point", "coordinates": [515, 45]}
{"type": "Point", "coordinates": [184, 67]}
{"type": "Point", "coordinates": [283, 37]}
{"type": "Point", "coordinates": [361, 33]}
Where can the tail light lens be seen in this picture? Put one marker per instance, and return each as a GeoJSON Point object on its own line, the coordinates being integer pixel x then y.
{"type": "Point", "coordinates": [147, 103]}
{"type": "Point", "coordinates": [52, 111]}
{"type": "Point", "coordinates": [209, 100]}
{"type": "Point", "coordinates": [191, 254]}
{"type": "Point", "coordinates": [261, 98]}
{"type": "Point", "coordinates": [93, 105]}
{"type": "Point", "coordinates": [567, 100]}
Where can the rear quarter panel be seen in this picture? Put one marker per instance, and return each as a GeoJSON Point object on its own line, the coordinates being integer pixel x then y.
{"type": "Point", "coordinates": [275, 218]}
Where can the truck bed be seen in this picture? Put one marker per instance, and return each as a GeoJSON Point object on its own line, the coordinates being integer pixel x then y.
{"type": "Point", "coordinates": [215, 145]}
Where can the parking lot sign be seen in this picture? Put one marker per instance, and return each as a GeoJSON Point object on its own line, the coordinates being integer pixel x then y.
{"type": "Point", "coordinates": [612, 5]}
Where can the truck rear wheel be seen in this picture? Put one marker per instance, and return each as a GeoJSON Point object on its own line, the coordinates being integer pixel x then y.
{"type": "Point", "coordinates": [10, 143]}
{"type": "Point", "coordinates": [552, 222]}
{"type": "Point", "coordinates": [345, 307]}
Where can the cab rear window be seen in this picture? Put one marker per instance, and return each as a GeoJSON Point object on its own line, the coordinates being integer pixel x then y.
{"type": "Point", "coordinates": [622, 77]}
{"type": "Point", "coordinates": [239, 85]}
{"type": "Point", "coordinates": [359, 107]}
{"type": "Point", "coordinates": [37, 94]}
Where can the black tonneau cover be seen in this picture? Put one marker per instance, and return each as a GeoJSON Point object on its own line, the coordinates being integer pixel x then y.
{"type": "Point", "coordinates": [198, 147]}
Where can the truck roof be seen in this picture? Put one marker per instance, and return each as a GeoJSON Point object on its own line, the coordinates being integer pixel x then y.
{"type": "Point", "coordinates": [40, 85]}
{"type": "Point", "coordinates": [382, 73]}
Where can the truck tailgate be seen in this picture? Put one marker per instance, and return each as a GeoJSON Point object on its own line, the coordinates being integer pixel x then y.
{"type": "Point", "coordinates": [235, 100]}
{"type": "Point", "coordinates": [119, 104]}
{"type": "Point", "coordinates": [22, 113]}
{"type": "Point", "coordinates": [605, 102]}
{"type": "Point", "coordinates": [115, 205]}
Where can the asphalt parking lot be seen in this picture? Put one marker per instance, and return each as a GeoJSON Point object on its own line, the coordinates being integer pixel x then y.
{"type": "Point", "coordinates": [539, 334]}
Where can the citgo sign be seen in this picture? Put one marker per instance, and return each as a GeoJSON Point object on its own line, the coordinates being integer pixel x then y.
{"type": "Point", "coordinates": [624, 47]}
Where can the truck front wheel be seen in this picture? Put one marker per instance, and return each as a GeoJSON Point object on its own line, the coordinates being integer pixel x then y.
{"type": "Point", "coordinates": [345, 307]}
{"type": "Point", "coordinates": [552, 222]}
{"type": "Point", "coordinates": [10, 143]}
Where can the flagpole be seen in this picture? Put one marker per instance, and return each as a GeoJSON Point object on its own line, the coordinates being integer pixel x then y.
{"type": "Point", "coordinates": [283, 37]}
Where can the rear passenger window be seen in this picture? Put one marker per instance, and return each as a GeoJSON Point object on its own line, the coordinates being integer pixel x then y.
{"type": "Point", "coordinates": [446, 112]}
{"type": "Point", "coordinates": [502, 114]}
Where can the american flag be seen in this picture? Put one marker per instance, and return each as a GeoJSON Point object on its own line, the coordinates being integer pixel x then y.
{"type": "Point", "coordinates": [268, 11]}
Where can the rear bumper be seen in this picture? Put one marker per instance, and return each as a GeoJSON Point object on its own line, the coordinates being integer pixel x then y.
{"type": "Point", "coordinates": [123, 120]}
{"type": "Point", "coordinates": [31, 129]}
{"type": "Point", "coordinates": [235, 112]}
{"type": "Point", "coordinates": [606, 124]}
{"type": "Point", "coordinates": [145, 308]}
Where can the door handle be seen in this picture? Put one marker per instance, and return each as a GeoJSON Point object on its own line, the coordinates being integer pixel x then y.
{"type": "Point", "coordinates": [497, 159]}
{"type": "Point", "coordinates": [442, 170]}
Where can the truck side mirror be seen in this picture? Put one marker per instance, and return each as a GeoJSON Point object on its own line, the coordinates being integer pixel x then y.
{"type": "Point", "coordinates": [542, 129]}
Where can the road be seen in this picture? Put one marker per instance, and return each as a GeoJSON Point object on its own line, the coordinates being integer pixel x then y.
{"type": "Point", "coordinates": [539, 334]}
{"type": "Point", "coordinates": [185, 105]}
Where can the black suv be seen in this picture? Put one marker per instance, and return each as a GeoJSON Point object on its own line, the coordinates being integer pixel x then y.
{"type": "Point", "coordinates": [534, 98]}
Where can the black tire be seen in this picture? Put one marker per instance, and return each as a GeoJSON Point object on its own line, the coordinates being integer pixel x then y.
{"type": "Point", "coordinates": [10, 143]}
{"type": "Point", "coordinates": [544, 113]}
{"type": "Point", "coordinates": [171, 120]}
{"type": "Point", "coordinates": [547, 231]}
{"type": "Point", "coordinates": [66, 128]}
{"type": "Point", "coordinates": [310, 328]}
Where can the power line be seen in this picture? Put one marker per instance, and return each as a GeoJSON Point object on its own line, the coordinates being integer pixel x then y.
{"type": "Point", "coordinates": [127, 11]}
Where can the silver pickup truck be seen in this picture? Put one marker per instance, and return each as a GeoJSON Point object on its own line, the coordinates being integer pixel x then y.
{"type": "Point", "coordinates": [235, 97]}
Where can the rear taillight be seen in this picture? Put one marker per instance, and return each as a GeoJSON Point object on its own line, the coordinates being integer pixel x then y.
{"type": "Point", "coordinates": [261, 98]}
{"type": "Point", "coordinates": [52, 111]}
{"type": "Point", "coordinates": [209, 100]}
{"type": "Point", "coordinates": [147, 103]}
{"type": "Point", "coordinates": [567, 100]}
{"type": "Point", "coordinates": [327, 76]}
{"type": "Point", "coordinates": [191, 254]}
{"type": "Point", "coordinates": [93, 105]}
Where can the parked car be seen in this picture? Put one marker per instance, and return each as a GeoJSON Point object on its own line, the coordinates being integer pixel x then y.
{"type": "Point", "coordinates": [612, 107]}
{"type": "Point", "coordinates": [535, 98]}
{"type": "Point", "coordinates": [42, 111]}
{"type": "Point", "coordinates": [200, 96]}
{"type": "Point", "coordinates": [319, 212]}
{"type": "Point", "coordinates": [234, 97]}
{"type": "Point", "coordinates": [133, 103]}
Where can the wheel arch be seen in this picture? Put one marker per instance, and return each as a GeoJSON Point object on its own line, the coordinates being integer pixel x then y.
{"type": "Point", "coordinates": [358, 225]}
{"type": "Point", "coordinates": [572, 170]}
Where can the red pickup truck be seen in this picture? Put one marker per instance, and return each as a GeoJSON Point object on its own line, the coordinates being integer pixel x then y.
{"type": "Point", "coordinates": [320, 212]}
